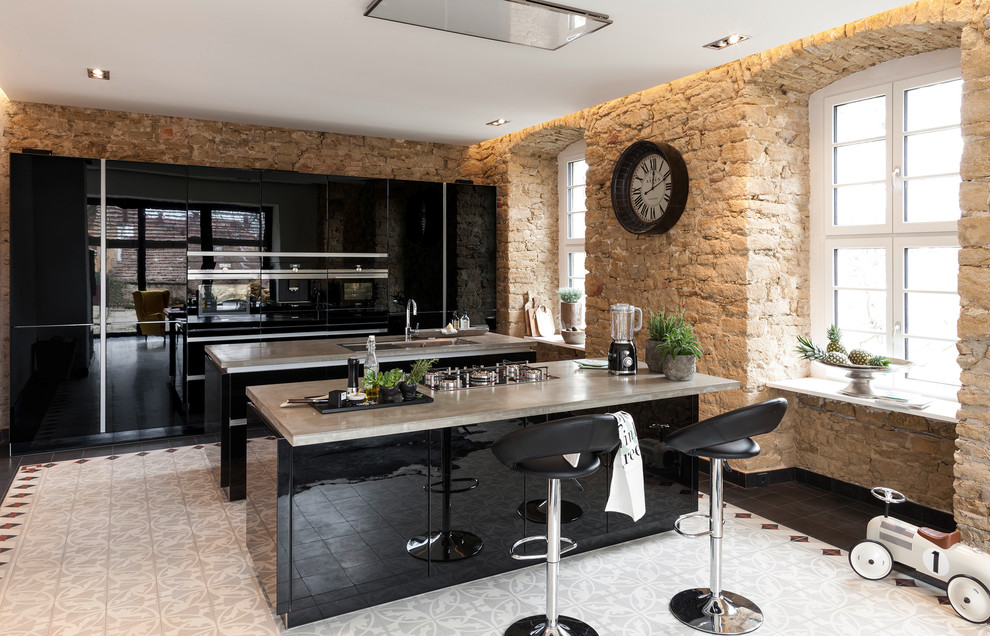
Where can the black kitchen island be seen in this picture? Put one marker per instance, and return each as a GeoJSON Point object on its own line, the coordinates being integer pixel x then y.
{"type": "Point", "coordinates": [333, 503]}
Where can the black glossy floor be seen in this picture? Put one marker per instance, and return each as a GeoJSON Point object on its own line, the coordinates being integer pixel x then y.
{"type": "Point", "coordinates": [824, 515]}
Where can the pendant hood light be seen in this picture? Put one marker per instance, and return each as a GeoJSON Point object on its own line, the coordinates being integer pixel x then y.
{"type": "Point", "coordinates": [534, 23]}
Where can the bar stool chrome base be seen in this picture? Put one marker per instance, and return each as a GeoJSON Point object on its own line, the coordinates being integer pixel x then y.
{"type": "Point", "coordinates": [728, 614]}
{"type": "Point", "coordinates": [535, 510]}
{"type": "Point", "coordinates": [453, 545]}
{"type": "Point", "coordinates": [537, 626]}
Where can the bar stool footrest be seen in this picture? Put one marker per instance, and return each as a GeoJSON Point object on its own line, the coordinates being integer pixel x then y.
{"type": "Point", "coordinates": [433, 486]}
{"type": "Point", "coordinates": [692, 515]}
{"type": "Point", "coordinates": [567, 546]}
{"type": "Point", "coordinates": [537, 626]}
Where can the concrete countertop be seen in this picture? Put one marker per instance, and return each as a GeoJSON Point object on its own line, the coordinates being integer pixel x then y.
{"type": "Point", "coordinates": [266, 356]}
{"type": "Point", "coordinates": [573, 389]}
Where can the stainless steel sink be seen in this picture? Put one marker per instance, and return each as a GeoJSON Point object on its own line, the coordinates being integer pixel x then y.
{"type": "Point", "coordinates": [381, 346]}
{"type": "Point", "coordinates": [440, 343]}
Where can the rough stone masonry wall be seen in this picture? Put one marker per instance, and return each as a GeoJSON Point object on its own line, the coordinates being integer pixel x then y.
{"type": "Point", "coordinates": [80, 132]}
{"type": "Point", "coordinates": [737, 262]}
{"type": "Point", "coordinates": [906, 452]}
{"type": "Point", "coordinates": [972, 469]}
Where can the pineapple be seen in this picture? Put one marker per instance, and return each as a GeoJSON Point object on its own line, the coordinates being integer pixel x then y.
{"type": "Point", "coordinates": [879, 361]}
{"type": "Point", "coordinates": [860, 357]}
{"type": "Point", "coordinates": [834, 357]}
{"type": "Point", "coordinates": [811, 351]}
{"type": "Point", "coordinates": [835, 340]}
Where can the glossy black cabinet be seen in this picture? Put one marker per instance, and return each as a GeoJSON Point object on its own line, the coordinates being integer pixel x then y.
{"type": "Point", "coordinates": [240, 255]}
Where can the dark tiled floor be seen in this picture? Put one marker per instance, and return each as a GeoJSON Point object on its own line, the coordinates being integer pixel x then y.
{"type": "Point", "coordinates": [817, 513]}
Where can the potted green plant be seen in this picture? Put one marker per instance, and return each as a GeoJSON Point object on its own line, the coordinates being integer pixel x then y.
{"type": "Point", "coordinates": [659, 326]}
{"type": "Point", "coordinates": [388, 390]}
{"type": "Point", "coordinates": [571, 314]}
{"type": "Point", "coordinates": [681, 352]}
{"type": "Point", "coordinates": [412, 379]}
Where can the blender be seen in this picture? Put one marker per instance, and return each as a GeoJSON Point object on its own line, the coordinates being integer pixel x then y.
{"type": "Point", "coordinates": [626, 321]}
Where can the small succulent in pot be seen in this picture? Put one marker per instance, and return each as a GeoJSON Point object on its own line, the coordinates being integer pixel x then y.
{"type": "Point", "coordinates": [569, 294]}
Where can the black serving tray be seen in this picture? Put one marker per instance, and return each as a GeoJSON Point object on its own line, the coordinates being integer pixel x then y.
{"type": "Point", "coordinates": [325, 408]}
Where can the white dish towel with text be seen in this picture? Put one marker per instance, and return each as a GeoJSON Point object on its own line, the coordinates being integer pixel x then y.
{"type": "Point", "coordinates": [626, 493]}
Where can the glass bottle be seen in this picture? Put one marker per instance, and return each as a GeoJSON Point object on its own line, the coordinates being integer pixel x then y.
{"type": "Point", "coordinates": [371, 364]}
{"type": "Point", "coordinates": [465, 321]}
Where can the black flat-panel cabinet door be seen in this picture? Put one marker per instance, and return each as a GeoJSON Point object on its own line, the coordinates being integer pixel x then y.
{"type": "Point", "coordinates": [226, 217]}
{"type": "Point", "coordinates": [53, 265]}
{"type": "Point", "coordinates": [416, 250]}
{"type": "Point", "coordinates": [145, 262]}
{"type": "Point", "coordinates": [471, 251]}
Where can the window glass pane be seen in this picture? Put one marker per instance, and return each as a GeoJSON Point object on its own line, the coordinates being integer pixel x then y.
{"type": "Point", "coordinates": [575, 265]}
{"type": "Point", "coordinates": [872, 342]}
{"type": "Point", "coordinates": [933, 106]}
{"type": "Point", "coordinates": [861, 267]}
{"type": "Point", "coordinates": [932, 315]}
{"type": "Point", "coordinates": [932, 199]}
{"type": "Point", "coordinates": [932, 153]}
{"type": "Point", "coordinates": [861, 310]}
{"type": "Point", "coordinates": [575, 199]}
{"type": "Point", "coordinates": [861, 162]}
{"type": "Point", "coordinates": [860, 204]}
{"type": "Point", "coordinates": [864, 119]}
{"type": "Point", "coordinates": [576, 172]}
{"type": "Point", "coordinates": [931, 269]}
{"type": "Point", "coordinates": [575, 225]}
{"type": "Point", "coordinates": [934, 360]}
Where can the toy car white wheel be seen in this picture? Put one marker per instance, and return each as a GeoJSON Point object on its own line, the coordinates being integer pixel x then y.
{"type": "Point", "coordinates": [871, 559]}
{"type": "Point", "coordinates": [969, 598]}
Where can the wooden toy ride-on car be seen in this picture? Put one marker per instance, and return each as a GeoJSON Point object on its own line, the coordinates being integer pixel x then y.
{"type": "Point", "coordinates": [940, 555]}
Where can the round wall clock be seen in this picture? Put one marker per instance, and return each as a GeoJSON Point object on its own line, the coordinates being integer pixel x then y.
{"type": "Point", "coordinates": [649, 187]}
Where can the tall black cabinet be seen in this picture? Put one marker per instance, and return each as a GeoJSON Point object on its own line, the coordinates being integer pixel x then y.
{"type": "Point", "coordinates": [244, 256]}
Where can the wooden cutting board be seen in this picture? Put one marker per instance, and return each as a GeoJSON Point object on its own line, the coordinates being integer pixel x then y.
{"type": "Point", "coordinates": [544, 322]}
{"type": "Point", "coordinates": [531, 316]}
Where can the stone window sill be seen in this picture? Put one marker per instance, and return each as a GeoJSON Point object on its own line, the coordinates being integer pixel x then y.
{"type": "Point", "coordinates": [943, 410]}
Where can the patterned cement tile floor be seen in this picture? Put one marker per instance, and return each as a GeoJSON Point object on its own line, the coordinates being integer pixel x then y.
{"type": "Point", "coordinates": [144, 543]}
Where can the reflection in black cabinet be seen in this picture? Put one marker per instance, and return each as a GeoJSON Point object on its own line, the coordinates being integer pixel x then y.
{"type": "Point", "coordinates": [416, 249]}
{"type": "Point", "coordinates": [52, 264]}
{"type": "Point", "coordinates": [471, 256]}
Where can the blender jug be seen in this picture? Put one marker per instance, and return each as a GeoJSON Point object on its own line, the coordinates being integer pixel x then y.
{"type": "Point", "coordinates": [626, 321]}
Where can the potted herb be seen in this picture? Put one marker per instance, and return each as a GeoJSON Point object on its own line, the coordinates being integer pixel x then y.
{"type": "Point", "coordinates": [412, 379]}
{"type": "Point", "coordinates": [681, 352]}
{"type": "Point", "coordinates": [383, 383]}
{"type": "Point", "coordinates": [571, 314]}
{"type": "Point", "coordinates": [660, 325]}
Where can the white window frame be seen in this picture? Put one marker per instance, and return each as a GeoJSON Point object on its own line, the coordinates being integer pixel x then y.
{"type": "Point", "coordinates": [894, 234]}
{"type": "Point", "coordinates": [574, 152]}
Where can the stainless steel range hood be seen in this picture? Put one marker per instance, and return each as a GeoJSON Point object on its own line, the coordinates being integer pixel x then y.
{"type": "Point", "coordinates": [534, 23]}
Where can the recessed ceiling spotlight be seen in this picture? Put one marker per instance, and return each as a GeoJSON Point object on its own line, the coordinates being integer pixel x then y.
{"type": "Point", "coordinates": [728, 40]}
{"type": "Point", "coordinates": [98, 73]}
{"type": "Point", "coordinates": [498, 122]}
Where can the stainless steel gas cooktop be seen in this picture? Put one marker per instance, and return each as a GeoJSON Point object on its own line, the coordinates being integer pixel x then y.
{"type": "Point", "coordinates": [454, 378]}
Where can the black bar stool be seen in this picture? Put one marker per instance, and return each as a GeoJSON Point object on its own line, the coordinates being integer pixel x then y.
{"type": "Point", "coordinates": [727, 436]}
{"type": "Point", "coordinates": [446, 544]}
{"type": "Point", "coordinates": [538, 451]}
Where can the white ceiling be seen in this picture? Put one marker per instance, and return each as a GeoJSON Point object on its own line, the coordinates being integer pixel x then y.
{"type": "Point", "coordinates": [322, 65]}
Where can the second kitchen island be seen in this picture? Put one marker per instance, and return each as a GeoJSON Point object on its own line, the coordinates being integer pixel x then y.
{"type": "Point", "coordinates": [334, 500]}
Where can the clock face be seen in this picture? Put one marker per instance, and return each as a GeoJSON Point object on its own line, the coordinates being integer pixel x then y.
{"type": "Point", "coordinates": [649, 187]}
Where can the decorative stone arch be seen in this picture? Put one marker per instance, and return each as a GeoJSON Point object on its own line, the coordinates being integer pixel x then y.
{"type": "Point", "coordinates": [525, 173]}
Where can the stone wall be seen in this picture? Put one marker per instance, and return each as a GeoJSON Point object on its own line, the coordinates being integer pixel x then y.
{"type": "Point", "coordinates": [972, 470]}
{"type": "Point", "coordinates": [737, 262]}
{"type": "Point", "coordinates": [4, 268]}
{"type": "Point", "coordinates": [871, 447]}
